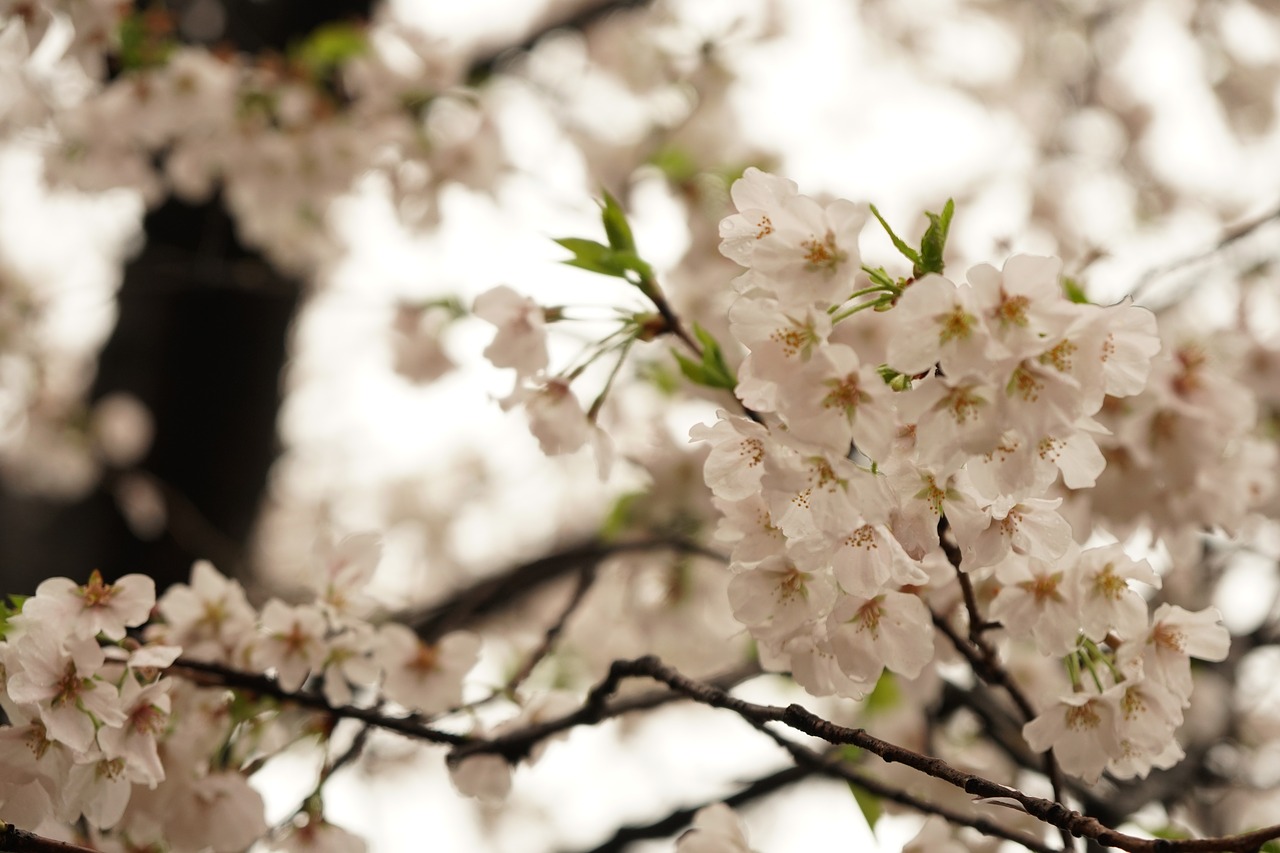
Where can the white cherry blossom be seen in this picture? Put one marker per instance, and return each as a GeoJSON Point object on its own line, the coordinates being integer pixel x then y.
{"type": "Point", "coordinates": [939, 322]}
{"type": "Point", "coordinates": [294, 642]}
{"type": "Point", "coordinates": [738, 449]}
{"type": "Point", "coordinates": [807, 250]}
{"type": "Point", "coordinates": [1039, 598]}
{"type": "Point", "coordinates": [834, 400]}
{"type": "Point", "coordinates": [521, 342]}
{"type": "Point", "coordinates": [1082, 731]}
{"type": "Point", "coordinates": [1107, 602]}
{"type": "Point", "coordinates": [95, 607]}
{"type": "Point", "coordinates": [775, 598]}
{"type": "Point", "coordinates": [422, 676]}
{"type": "Point", "coordinates": [716, 829]}
{"type": "Point", "coordinates": [893, 630]}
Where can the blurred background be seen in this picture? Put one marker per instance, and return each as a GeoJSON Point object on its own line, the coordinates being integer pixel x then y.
{"type": "Point", "coordinates": [239, 242]}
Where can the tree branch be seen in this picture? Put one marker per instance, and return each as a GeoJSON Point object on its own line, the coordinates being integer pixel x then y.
{"type": "Point", "coordinates": [832, 765]}
{"type": "Point", "coordinates": [679, 819]}
{"type": "Point", "coordinates": [215, 675]}
{"type": "Point", "coordinates": [586, 579]}
{"type": "Point", "coordinates": [515, 745]}
{"type": "Point", "coordinates": [579, 19]}
{"type": "Point", "coordinates": [1229, 237]}
{"type": "Point", "coordinates": [14, 840]}
{"type": "Point", "coordinates": [491, 594]}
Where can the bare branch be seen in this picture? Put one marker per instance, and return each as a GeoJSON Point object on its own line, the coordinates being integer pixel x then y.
{"type": "Point", "coordinates": [679, 819]}
{"type": "Point", "coordinates": [581, 18]}
{"type": "Point", "coordinates": [516, 745]}
{"type": "Point", "coordinates": [586, 579]}
{"type": "Point", "coordinates": [1230, 236]}
{"type": "Point", "coordinates": [216, 675]}
{"type": "Point", "coordinates": [14, 840]}
{"type": "Point", "coordinates": [492, 594]}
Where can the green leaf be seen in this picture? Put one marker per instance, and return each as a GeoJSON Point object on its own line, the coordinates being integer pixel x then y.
{"type": "Point", "coordinates": [1173, 833]}
{"type": "Point", "coordinates": [13, 608]}
{"type": "Point", "coordinates": [616, 226]}
{"type": "Point", "coordinates": [895, 380]}
{"type": "Point", "coordinates": [907, 252]}
{"type": "Point", "coordinates": [713, 371]}
{"type": "Point", "coordinates": [144, 42]}
{"type": "Point", "coordinates": [620, 515]}
{"type": "Point", "coordinates": [1074, 291]}
{"type": "Point", "coordinates": [934, 241]}
{"type": "Point", "coordinates": [328, 47]}
{"type": "Point", "coordinates": [597, 257]}
{"type": "Point", "coordinates": [1269, 847]}
{"type": "Point", "coordinates": [869, 804]}
{"type": "Point", "coordinates": [886, 695]}
{"type": "Point", "coordinates": [676, 164]}
{"type": "Point", "coordinates": [662, 377]}
{"type": "Point", "coordinates": [593, 257]}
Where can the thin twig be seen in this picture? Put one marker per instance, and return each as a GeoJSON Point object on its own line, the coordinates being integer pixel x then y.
{"type": "Point", "coordinates": [1229, 237]}
{"type": "Point", "coordinates": [215, 675]}
{"type": "Point", "coordinates": [679, 819]}
{"type": "Point", "coordinates": [985, 662]}
{"type": "Point", "coordinates": [585, 580]}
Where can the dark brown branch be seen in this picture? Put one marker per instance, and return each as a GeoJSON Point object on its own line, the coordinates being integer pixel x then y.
{"type": "Point", "coordinates": [492, 594]}
{"type": "Point", "coordinates": [215, 675]}
{"type": "Point", "coordinates": [515, 745]}
{"type": "Point", "coordinates": [581, 18]}
{"type": "Point", "coordinates": [14, 840]}
{"type": "Point", "coordinates": [678, 820]}
{"type": "Point", "coordinates": [832, 765]}
{"type": "Point", "coordinates": [982, 656]}
{"type": "Point", "coordinates": [586, 579]}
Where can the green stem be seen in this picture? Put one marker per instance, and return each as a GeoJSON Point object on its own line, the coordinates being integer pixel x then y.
{"type": "Point", "coordinates": [875, 288]}
{"type": "Point", "coordinates": [1073, 670]}
{"type": "Point", "coordinates": [843, 315]}
{"type": "Point", "coordinates": [594, 411]}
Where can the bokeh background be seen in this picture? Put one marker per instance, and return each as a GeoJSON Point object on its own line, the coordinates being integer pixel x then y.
{"type": "Point", "coordinates": [231, 349]}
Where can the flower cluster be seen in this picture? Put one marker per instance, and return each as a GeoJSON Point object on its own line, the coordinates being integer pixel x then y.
{"type": "Point", "coordinates": [98, 731]}
{"type": "Point", "coordinates": [979, 398]}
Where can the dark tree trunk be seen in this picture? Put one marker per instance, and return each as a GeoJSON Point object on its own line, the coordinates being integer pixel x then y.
{"type": "Point", "coordinates": [200, 340]}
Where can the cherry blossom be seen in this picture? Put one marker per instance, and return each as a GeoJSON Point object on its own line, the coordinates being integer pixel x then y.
{"type": "Point", "coordinates": [891, 630]}
{"type": "Point", "coordinates": [1081, 729]}
{"type": "Point", "coordinates": [716, 829]}
{"type": "Point", "coordinates": [95, 607]}
{"type": "Point", "coordinates": [808, 251]}
{"type": "Point", "coordinates": [294, 642]}
{"type": "Point", "coordinates": [521, 341]}
{"type": "Point", "coordinates": [209, 618]}
{"type": "Point", "coordinates": [424, 677]}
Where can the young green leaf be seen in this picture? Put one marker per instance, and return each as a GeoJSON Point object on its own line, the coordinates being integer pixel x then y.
{"type": "Point", "coordinates": [330, 46]}
{"type": "Point", "coordinates": [895, 380]}
{"type": "Point", "coordinates": [597, 257]}
{"type": "Point", "coordinates": [907, 252]}
{"type": "Point", "coordinates": [713, 371]}
{"type": "Point", "coordinates": [616, 226]}
{"type": "Point", "coordinates": [1074, 290]}
{"type": "Point", "coordinates": [593, 257]}
{"type": "Point", "coordinates": [934, 241]}
{"type": "Point", "coordinates": [869, 804]}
